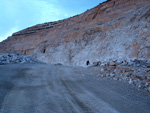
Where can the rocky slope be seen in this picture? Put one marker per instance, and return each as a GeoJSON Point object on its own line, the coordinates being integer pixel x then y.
{"type": "Point", "coordinates": [135, 72]}
{"type": "Point", "coordinates": [116, 29]}
{"type": "Point", "coordinates": [17, 59]}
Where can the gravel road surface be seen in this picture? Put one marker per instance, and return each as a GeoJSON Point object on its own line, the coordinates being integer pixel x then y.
{"type": "Point", "coordinates": [41, 88]}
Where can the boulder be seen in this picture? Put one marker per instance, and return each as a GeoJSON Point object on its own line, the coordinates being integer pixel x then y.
{"type": "Point", "coordinates": [97, 63]}
{"type": "Point", "coordinates": [113, 63]}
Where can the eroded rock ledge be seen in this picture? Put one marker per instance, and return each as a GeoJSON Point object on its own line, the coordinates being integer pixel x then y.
{"type": "Point", "coordinates": [114, 29]}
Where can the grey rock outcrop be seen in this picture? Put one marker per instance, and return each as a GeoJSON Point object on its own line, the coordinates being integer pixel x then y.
{"type": "Point", "coordinates": [114, 29]}
{"type": "Point", "coordinates": [16, 59]}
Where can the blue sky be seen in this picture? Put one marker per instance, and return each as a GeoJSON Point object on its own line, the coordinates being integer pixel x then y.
{"type": "Point", "coordinates": [16, 15]}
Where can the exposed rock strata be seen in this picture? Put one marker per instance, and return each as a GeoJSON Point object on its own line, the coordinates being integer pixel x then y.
{"type": "Point", "coordinates": [116, 29]}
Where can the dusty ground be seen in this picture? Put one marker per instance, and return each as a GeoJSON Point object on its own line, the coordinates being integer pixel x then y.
{"type": "Point", "coordinates": [39, 88]}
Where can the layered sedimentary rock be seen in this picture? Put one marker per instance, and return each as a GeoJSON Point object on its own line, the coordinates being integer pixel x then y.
{"type": "Point", "coordinates": [116, 29]}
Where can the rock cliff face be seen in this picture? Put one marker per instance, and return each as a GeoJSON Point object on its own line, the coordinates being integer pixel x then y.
{"type": "Point", "coordinates": [116, 29]}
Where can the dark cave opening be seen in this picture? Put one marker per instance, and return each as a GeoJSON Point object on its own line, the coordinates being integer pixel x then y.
{"type": "Point", "coordinates": [88, 62]}
{"type": "Point", "coordinates": [44, 50]}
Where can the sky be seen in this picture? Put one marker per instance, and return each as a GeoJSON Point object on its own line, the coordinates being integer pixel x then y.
{"type": "Point", "coordinates": [16, 15]}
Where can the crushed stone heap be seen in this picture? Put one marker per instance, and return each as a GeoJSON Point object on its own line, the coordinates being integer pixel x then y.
{"type": "Point", "coordinates": [16, 59]}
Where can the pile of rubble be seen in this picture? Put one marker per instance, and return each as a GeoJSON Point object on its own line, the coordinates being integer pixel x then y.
{"type": "Point", "coordinates": [16, 58]}
{"type": "Point", "coordinates": [131, 62]}
{"type": "Point", "coordinates": [135, 72]}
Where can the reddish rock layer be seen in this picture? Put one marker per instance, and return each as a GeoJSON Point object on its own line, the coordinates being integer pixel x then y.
{"type": "Point", "coordinates": [116, 29]}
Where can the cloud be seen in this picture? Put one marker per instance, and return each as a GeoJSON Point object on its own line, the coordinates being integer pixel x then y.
{"type": "Point", "coordinates": [9, 33]}
{"type": "Point", "coordinates": [49, 11]}
{"type": "Point", "coordinates": [26, 13]}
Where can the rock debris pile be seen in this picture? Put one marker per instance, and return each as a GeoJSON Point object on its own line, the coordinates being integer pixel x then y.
{"type": "Point", "coordinates": [132, 62]}
{"type": "Point", "coordinates": [16, 58]}
{"type": "Point", "coordinates": [113, 29]}
{"type": "Point", "coordinates": [135, 72]}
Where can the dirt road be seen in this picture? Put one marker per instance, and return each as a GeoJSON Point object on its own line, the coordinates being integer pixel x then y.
{"type": "Point", "coordinates": [39, 88]}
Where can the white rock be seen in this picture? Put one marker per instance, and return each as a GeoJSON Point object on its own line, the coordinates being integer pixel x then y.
{"type": "Point", "coordinates": [130, 81]}
{"type": "Point", "coordinates": [102, 69]}
{"type": "Point", "coordinates": [148, 89]}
